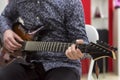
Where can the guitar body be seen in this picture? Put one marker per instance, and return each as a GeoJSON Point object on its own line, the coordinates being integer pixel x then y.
{"type": "Point", "coordinates": [18, 29]}
{"type": "Point", "coordinates": [7, 57]}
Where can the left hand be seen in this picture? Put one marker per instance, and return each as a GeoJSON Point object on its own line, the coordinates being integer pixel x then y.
{"type": "Point", "coordinates": [74, 53]}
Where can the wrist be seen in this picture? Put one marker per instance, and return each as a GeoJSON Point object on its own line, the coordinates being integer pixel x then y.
{"type": "Point", "coordinates": [4, 30]}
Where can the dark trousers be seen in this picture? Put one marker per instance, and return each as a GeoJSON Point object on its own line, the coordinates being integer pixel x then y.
{"type": "Point", "coordinates": [17, 71]}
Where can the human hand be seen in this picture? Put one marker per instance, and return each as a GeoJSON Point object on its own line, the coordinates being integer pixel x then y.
{"type": "Point", "coordinates": [11, 41]}
{"type": "Point", "coordinates": [74, 53]}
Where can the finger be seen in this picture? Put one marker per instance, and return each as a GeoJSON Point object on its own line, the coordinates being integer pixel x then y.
{"type": "Point", "coordinates": [12, 45]}
{"type": "Point", "coordinates": [73, 48]}
{"type": "Point", "coordinates": [9, 45]}
{"type": "Point", "coordinates": [15, 43]}
{"type": "Point", "coordinates": [18, 38]}
{"type": "Point", "coordinates": [9, 49]}
{"type": "Point", "coordinates": [6, 56]}
{"type": "Point", "coordinates": [79, 41]}
{"type": "Point", "coordinates": [79, 53]}
{"type": "Point", "coordinates": [68, 53]}
{"type": "Point", "coordinates": [72, 55]}
{"type": "Point", "coordinates": [74, 52]}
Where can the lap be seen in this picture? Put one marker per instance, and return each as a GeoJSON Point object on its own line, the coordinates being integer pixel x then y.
{"type": "Point", "coordinates": [16, 71]}
{"type": "Point", "coordinates": [12, 71]}
{"type": "Point", "coordinates": [62, 73]}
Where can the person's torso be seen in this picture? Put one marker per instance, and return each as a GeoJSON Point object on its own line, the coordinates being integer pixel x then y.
{"type": "Point", "coordinates": [47, 13]}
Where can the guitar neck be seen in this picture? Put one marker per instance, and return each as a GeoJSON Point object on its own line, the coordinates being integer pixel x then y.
{"type": "Point", "coordinates": [49, 46]}
{"type": "Point", "coordinates": [95, 50]}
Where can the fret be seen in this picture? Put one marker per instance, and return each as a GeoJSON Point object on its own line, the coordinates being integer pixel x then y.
{"type": "Point", "coordinates": [48, 47]}
{"type": "Point", "coordinates": [40, 46]}
{"type": "Point", "coordinates": [54, 46]}
{"type": "Point", "coordinates": [35, 46]}
{"type": "Point", "coordinates": [57, 47]}
{"type": "Point", "coordinates": [60, 47]}
{"type": "Point", "coordinates": [45, 47]}
{"type": "Point", "coordinates": [64, 47]}
{"type": "Point", "coordinates": [51, 46]}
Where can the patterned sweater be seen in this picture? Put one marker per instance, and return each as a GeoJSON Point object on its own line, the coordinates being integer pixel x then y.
{"type": "Point", "coordinates": [63, 21]}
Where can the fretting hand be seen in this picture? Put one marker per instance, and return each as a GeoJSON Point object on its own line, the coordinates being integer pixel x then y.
{"type": "Point", "coordinates": [74, 53]}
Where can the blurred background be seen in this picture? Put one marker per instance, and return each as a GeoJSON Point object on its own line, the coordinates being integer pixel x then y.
{"type": "Point", "coordinates": [104, 15]}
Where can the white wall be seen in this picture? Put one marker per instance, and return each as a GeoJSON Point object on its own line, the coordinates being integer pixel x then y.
{"type": "Point", "coordinates": [102, 5]}
{"type": "Point", "coordinates": [116, 39]}
{"type": "Point", "coordinates": [3, 3]}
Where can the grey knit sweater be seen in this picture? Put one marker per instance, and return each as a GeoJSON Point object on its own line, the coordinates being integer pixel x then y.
{"type": "Point", "coordinates": [63, 21]}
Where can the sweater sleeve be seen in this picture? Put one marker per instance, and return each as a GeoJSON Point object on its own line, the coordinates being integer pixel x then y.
{"type": "Point", "coordinates": [8, 16]}
{"type": "Point", "coordinates": [74, 19]}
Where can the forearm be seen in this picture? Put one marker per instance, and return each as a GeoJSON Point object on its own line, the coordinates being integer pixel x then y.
{"type": "Point", "coordinates": [5, 24]}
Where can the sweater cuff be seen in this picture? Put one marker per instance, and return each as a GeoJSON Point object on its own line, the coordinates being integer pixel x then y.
{"type": "Point", "coordinates": [3, 29]}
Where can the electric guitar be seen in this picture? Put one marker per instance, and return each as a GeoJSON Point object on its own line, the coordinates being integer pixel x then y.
{"type": "Point", "coordinates": [96, 50]}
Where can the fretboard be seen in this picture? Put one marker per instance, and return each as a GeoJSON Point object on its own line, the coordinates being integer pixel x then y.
{"type": "Point", "coordinates": [48, 46]}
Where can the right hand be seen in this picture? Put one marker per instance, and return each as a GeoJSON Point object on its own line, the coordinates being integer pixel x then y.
{"type": "Point", "coordinates": [11, 41]}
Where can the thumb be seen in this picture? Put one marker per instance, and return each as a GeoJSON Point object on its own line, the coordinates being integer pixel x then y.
{"type": "Point", "coordinates": [79, 41]}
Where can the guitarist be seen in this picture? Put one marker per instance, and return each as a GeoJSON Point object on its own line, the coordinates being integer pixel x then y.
{"type": "Point", "coordinates": [62, 21]}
